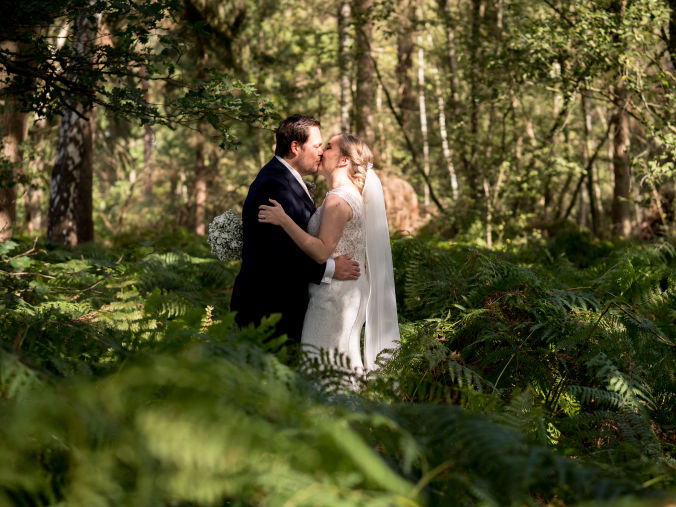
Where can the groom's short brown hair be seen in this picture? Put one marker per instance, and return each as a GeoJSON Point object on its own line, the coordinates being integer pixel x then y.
{"type": "Point", "coordinates": [294, 128]}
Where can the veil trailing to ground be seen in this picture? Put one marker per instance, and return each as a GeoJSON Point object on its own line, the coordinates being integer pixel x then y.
{"type": "Point", "coordinates": [382, 327]}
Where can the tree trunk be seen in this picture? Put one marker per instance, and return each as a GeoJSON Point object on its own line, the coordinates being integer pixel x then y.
{"type": "Point", "coordinates": [200, 190]}
{"type": "Point", "coordinates": [474, 99]}
{"type": "Point", "coordinates": [383, 140]}
{"type": "Point", "coordinates": [34, 194]}
{"type": "Point", "coordinates": [586, 152]}
{"type": "Point", "coordinates": [70, 201]}
{"type": "Point", "coordinates": [147, 142]}
{"type": "Point", "coordinates": [548, 184]}
{"type": "Point", "coordinates": [319, 75]}
{"type": "Point", "coordinates": [366, 90]}
{"type": "Point", "coordinates": [517, 133]}
{"type": "Point", "coordinates": [621, 210]}
{"type": "Point", "coordinates": [404, 70]}
{"type": "Point", "coordinates": [423, 118]}
{"type": "Point", "coordinates": [14, 131]}
{"type": "Point", "coordinates": [672, 34]}
{"type": "Point", "coordinates": [442, 127]}
{"type": "Point", "coordinates": [452, 59]}
{"type": "Point", "coordinates": [33, 210]}
{"type": "Point", "coordinates": [179, 189]}
{"type": "Point", "coordinates": [490, 195]}
{"type": "Point", "coordinates": [582, 210]}
{"type": "Point", "coordinates": [344, 63]}
{"type": "Point", "coordinates": [200, 187]}
{"type": "Point", "coordinates": [454, 82]}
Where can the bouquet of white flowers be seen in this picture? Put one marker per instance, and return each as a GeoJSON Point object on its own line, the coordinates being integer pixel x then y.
{"type": "Point", "coordinates": [225, 236]}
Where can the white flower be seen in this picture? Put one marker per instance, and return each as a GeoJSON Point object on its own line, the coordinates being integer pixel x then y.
{"type": "Point", "coordinates": [225, 236]}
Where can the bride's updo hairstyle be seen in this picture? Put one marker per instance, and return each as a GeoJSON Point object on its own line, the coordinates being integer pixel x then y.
{"type": "Point", "coordinates": [360, 156]}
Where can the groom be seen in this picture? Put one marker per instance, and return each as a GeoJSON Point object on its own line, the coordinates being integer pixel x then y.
{"type": "Point", "coordinates": [275, 273]}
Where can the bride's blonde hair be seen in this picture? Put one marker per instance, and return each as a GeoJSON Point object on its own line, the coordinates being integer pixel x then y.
{"type": "Point", "coordinates": [360, 156]}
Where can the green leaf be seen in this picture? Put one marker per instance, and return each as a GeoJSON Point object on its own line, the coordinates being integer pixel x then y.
{"type": "Point", "coordinates": [21, 263]}
{"type": "Point", "coordinates": [7, 246]}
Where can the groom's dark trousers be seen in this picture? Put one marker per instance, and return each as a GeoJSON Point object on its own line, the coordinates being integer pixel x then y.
{"type": "Point", "coordinates": [275, 273]}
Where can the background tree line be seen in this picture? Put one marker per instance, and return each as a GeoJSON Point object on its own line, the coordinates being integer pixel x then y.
{"type": "Point", "coordinates": [506, 117]}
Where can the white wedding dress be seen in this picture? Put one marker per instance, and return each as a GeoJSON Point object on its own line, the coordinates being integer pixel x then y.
{"type": "Point", "coordinates": [337, 311]}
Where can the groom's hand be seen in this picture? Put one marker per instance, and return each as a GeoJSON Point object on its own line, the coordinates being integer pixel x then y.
{"type": "Point", "coordinates": [346, 268]}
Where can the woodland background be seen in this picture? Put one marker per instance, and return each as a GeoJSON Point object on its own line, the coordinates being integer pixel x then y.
{"type": "Point", "coordinates": [527, 150]}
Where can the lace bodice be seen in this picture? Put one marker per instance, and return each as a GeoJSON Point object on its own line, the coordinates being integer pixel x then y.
{"type": "Point", "coordinates": [353, 241]}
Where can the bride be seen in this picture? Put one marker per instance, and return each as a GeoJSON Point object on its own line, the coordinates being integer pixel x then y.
{"type": "Point", "coordinates": [352, 222]}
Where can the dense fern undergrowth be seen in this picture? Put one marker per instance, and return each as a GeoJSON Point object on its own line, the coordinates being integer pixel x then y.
{"type": "Point", "coordinates": [543, 374]}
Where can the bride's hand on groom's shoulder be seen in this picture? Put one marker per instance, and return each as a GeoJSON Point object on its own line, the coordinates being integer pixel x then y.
{"type": "Point", "coordinates": [346, 268]}
{"type": "Point", "coordinates": [274, 214]}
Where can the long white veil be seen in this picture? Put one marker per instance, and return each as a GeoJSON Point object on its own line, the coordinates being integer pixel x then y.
{"type": "Point", "coordinates": [382, 327]}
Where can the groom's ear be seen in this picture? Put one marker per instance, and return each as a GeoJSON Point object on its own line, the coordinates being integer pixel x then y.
{"type": "Point", "coordinates": [295, 147]}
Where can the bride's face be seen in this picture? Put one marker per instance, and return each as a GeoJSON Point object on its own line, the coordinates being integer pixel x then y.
{"type": "Point", "coordinates": [331, 157]}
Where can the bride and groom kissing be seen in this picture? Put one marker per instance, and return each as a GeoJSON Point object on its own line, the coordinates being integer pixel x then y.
{"type": "Point", "coordinates": [328, 271]}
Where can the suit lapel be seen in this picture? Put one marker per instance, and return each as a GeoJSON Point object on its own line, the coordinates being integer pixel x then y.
{"type": "Point", "coordinates": [296, 187]}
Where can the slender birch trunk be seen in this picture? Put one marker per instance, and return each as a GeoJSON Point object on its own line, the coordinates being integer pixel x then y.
{"type": "Point", "coordinates": [383, 144]}
{"type": "Point", "coordinates": [70, 220]}
{"type": "Point", "coordinates": [199, 189]}
{"type": "Point", "coordinates": [490, 194]}
{"type": "Point", "coordinates": [344, 63]}
{"type": "Point", "coordinates": [442, 126]}
{"type": "Point", "coordinates": [147, 141]}
{"type": "Point", "coordinates": [518, 137]}
{"type": "Point", "coordinates": [200, 186]}
{"type": "Point", "coordinates": [586, 153]}
{"type": "Point", "coordinates": [451, 56]}
{"type": "Point", "coordinates": [474, 56]}
{"type": "Point", "coordinates": [582, 209]}
{"type": "Point", "coordinates": [423, 117]}
{"type": "Point", "coordinates": [319, 75]}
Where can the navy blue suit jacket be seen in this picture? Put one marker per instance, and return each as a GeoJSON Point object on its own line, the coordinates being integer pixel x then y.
{"type": "Point", "coordinates": [275, 273]}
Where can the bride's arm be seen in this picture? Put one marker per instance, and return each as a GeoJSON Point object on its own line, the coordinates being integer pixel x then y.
{"type": "Point", "coordinates": [334, 217]}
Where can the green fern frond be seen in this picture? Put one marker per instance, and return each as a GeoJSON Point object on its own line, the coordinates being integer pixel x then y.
{"type": "Point", "coordinates": [466, 377]}
{"type": "Point", "coordinates": [634, 392]}
{"type": "Point", "coordinates": [331, 370]}
{"type": "Point", "coordinates": [163, 304]}
{"type": "Point", "coordinates": [16, 379]}
{"type": "Point", "coordinates": [597, 397]}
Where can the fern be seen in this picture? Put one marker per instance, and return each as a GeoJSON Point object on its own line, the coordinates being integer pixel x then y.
{"type": "Point", "coordinates": [125, 380]}
{"type": "Point", "coordinates": [597, 397]}
{"type": "Point", "coordinates": [16, 379]}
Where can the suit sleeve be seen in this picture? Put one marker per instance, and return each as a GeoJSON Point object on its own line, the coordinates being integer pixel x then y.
{"type": "Point", "coordinates": [284, 258]}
